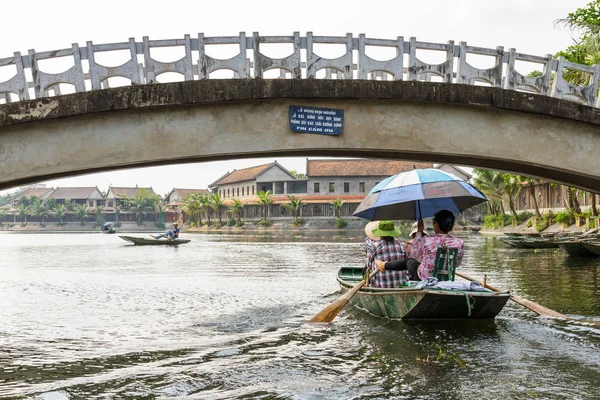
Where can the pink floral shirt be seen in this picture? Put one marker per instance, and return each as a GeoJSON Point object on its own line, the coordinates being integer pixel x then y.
{"type": "Point", "coordinates": [424, 248]}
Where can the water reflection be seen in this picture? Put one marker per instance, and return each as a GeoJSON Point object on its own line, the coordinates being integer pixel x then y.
{"type": "Point", "coordinates": [88, 316]}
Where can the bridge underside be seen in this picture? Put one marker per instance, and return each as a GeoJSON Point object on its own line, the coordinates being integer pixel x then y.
{"type": "Point", "coordinates": [227, 119]}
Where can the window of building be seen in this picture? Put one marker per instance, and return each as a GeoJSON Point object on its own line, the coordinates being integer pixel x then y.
{"type": "Point", "coordinates": [91, 203]}
{"type": "Point", "coordinates": [248, 190]}
{"type": "Point", "coordinates": [242, 191]}
{"type": "Point", "coordinates": [252, 190]}
{"type": "Point", "coordinates": [331, 187]}
{"type": "Point", "coordinates": [227, 192]}
{"type": "Point", "coordinates": [361, 187]}
{"type": "Point", "coordinates": [238, 192]}
{"type": "Point", "coordinates": [110, 203]}
{"type": "Point", "coordinates": [317, 188]}
{"type": "Point", "coordinates": [346, 187]}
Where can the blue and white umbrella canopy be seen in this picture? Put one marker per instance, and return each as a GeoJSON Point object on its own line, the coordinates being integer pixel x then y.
{"type": "Point", "coordinates": [418, 193]}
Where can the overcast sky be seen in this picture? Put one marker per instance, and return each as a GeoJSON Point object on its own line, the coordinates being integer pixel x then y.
{"type": "Point", "coordinates": [526, 25]}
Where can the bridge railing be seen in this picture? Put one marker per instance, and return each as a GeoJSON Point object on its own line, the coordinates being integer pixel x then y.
{"type": "Point", "coordinates": [85, 74]}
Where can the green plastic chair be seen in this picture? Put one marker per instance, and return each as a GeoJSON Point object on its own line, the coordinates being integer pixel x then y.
{"type": "Point", "coordinates": [446, 259]}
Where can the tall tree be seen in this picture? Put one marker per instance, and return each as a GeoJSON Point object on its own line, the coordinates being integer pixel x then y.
{"type": "Point", "coordinates": [22, 212]}
{"type": "Point", "coordinates": [38, 209]}
{"type": "Point", "coordinates": [512, 187]}
{"type": "Point", "coordinates": [237, 208]}
{"type": "Point", "coordinates": [143, 203]}
{"type": "Point", "coordinates": [192, 207]}
{"type": "Point", "coordinates": [294, 205]}
{"type": "Point", "coordinates": [531, 182]}
{"type": "Point", "coordinates": [265, 199]}
{"type": "Point", "coordinates": [336, 205]}
{"type": "Point", "coordinates": [59, 211]}
{"type": "Point", "coordinates": [81, 212]}
{"type": "Point", "coordinates": [491, 183]}
{"type": "Point", "coordinates": [99, 210]}
{"type": "Point", "coordinates": [216, 203]}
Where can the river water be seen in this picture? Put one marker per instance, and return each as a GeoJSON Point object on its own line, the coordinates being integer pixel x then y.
{"type": "Point", "coordinates": [87, 316]}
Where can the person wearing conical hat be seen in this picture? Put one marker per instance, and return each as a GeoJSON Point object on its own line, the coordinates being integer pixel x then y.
{"type": "Point", "coordinates": [381, 244]}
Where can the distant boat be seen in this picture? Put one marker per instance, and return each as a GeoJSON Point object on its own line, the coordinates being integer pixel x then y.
{"type": "Point", "coordinates": [594, 247]}
{"type": "Point", "coordinates": [153, 242]}
{"type": "Point", "coordinates": [575, 248]}
{"type": "Point", "coordinates": [108, 228]}
{"type": "Point", "coordinates": [514, 241]}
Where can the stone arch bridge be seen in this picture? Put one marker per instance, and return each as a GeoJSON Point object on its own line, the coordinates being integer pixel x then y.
{"type": "Point", "coordinates": [396, 108]}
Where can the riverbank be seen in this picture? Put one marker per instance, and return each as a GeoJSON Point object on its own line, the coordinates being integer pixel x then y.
{"type": "Point", "coordinates": [523, 228]}
{"type": "Point", "coordinates": [275, 225]}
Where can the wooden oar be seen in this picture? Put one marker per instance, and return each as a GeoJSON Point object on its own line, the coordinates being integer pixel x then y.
{"type": "Point", "coordinates": [331, 311]}
{"type": "Point", "coordinates": [535, 307]}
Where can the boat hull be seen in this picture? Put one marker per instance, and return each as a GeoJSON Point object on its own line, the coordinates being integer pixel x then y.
{"type": "Point", "coordinates": [153, 242]}
{"type": "Point", "coordinates": [518, 243]}
{"type": "Point", "coordinates": [540, 244]}
{"type": "Point", "coordinates": [412, 303]}
{"type": "Point", "coordinates": [593, 247]}
{"type": "Point", "coordinates": [576, 249]}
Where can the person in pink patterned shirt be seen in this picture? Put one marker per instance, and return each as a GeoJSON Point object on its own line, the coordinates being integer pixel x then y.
{"type": "Point", "coordinates": [424, 248]}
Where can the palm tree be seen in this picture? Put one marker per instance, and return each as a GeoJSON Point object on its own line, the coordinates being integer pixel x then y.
{"type": "Point", "coordinates": [118, 211]}
{"type": "Point", "coordinates": [573, 202]}
{"type": "Point", "coordinates": [336, 205]}
{"type": "Point", "coordinates": [192, 207]}
{"type": "Point", "coordinates": [143, 203]}
{"type": "Point", "coordinates": [216, 203]}
{"type": "Point", "coordinates": [295, 205]}
{"type": "Point", "coordinates": [512, 187]}
{"type": "Point", "coordinates": [59, 211]}
{"type": "Point", "coordinates": [204, 201]}
{"type": "Point", "coordinates": [22, 212]}
{"type": "Point", "coordinates": [531, 182]}
{"type": "Point", "coordinates": [99, 214]}
{"type": "Point", "coordinates": [265, 199]}
{"type": "Point", "coordinates": [491, 184]}
{"type": "Point", "coordinates": [594, 202]}
{"type": "Point", "coordinates": [37, 209]}
{"type": "Point", "coordinates": [81, 212]}
{"type": "Point", "coordinates": [236, 208]}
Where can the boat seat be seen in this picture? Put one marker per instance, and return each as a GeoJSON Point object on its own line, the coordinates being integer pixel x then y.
{"type": "Point", "coordinates": [444, 267]}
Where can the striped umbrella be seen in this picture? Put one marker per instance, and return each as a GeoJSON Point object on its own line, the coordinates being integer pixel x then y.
{"type": "Point", "coordinates": [417, 194]}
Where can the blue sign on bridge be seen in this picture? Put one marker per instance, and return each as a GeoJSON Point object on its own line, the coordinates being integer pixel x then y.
{"type": "Point", "coordinates": [324, 121]}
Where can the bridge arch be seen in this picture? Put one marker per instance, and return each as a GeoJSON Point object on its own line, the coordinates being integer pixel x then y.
{"type": "Point", "coordinates": [210, 120]}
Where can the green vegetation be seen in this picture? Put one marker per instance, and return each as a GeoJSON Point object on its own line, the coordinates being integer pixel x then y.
{"type": "Point", "coordinates": [216, 203]}
{"type": "Point", "coordinates": [237, 208]}
{"type": "Point", "coordinates": [547, 220]}
{"type": "Point", "coordinates": [566, 217]}
{"type": "Point", "coordinates": [142, 203]}
{"type": "Point", "coordinates": [295, 205]}
{"type": "Point", "coordinates": [265, 199]}
{"type": "Point", "coordinates": [340, 223]}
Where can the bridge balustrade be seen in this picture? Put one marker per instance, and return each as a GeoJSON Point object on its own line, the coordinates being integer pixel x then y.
{"type": "Point", "coordinates": [86, 74]}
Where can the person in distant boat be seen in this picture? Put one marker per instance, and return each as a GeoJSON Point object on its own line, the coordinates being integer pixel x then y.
{"type": "Point", "coordinates": [424, 248]}
{"type": "Point", "coordinates": [381, 244]}
{"type": "Point", "coordinates": [173, 234]}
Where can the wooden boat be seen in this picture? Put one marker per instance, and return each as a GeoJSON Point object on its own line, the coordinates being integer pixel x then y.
{"type": "Point", "coordinates": [413, 303]}
{"type": "Point", "coordinates": [594, 247]}
{"type": "Point", "coordinates": [153, 242]}
{"type": "Point", "coordinates": [540, 244]}
{"type": "Point", "coordinates": [575, 248]}
{"type": "Point", "coordinates": [514, 242]}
